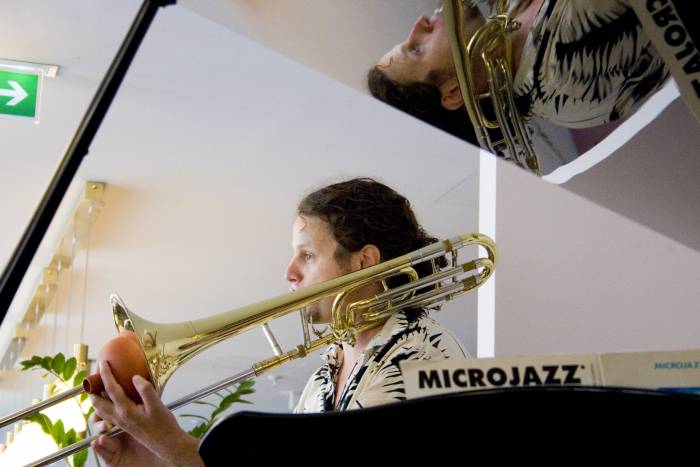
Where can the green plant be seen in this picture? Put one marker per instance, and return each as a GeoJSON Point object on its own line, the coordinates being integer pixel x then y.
{"type": "Point", "coordinates": [65, 375]}
{"type": "Point", "coordinates": [226, 400]}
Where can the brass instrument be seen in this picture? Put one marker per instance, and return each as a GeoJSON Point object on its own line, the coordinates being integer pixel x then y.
{"type": "Point", "coordinates": [492, 45]}
{"type": "Point", "coordinates": [167, 346]}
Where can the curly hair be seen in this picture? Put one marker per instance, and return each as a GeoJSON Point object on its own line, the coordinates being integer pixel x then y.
{"type": "Point", "coordinates": [363, 211]}
{"type": "Point", "coordinates": [422, 100]}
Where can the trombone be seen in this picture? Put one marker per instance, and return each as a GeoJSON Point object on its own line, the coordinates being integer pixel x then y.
{"type": "Point", "coordinates": [491, 44]}
{"type": "Point", "coordinates": [167, 346]}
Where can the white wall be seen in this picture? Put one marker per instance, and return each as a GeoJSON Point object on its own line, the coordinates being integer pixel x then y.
{"type": "Point", "coordinates": [575, 277]}
{"type": "Point", "coordinates": [654, 179]}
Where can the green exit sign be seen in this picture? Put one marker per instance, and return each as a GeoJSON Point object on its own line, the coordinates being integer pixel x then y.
{"type": "Point", "coordinates": [19, 93]}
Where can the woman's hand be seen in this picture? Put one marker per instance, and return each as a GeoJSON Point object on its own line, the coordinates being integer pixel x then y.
{"type": "Point", "coordinates": [151, 429]}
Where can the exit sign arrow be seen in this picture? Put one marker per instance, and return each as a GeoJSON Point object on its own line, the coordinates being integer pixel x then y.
{"type": "Point", "coordinates": [17, 93]}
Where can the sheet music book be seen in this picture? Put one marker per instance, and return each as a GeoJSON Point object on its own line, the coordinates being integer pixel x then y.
{"type": "Point", "coordinates": [671, 26]}
{"type": "Point", "coordinates": [675, 371]}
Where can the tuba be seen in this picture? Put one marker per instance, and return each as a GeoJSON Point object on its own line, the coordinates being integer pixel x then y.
{"type": "Point", "coordinates": [166, 346]}
{"type": "Point", "coordinates": [490, 46]}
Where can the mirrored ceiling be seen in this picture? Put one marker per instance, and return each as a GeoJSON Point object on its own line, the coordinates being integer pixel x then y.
{"type": "Point", "coordinates": [643, 166]}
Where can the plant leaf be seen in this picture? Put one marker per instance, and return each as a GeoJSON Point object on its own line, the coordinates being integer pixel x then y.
{"type": "Point", "coordinates": [78, 380]}
{"type": "Point", "coordinates": [46, 363]}
{"type": "Point", "coordinates": [248, 383]}
{"type": "Point", "coordinates": [228, 400]}
{"type": "Point", "coordinates": [58, 432]}
{"type": "Point", "coordinates": [80, 458]}
{"type": "Point", "coordinates": [58, 362]}
{"type": "Point", "coordinates": [43, 421]}
{"type": "Point", "coordinates": [200, 430]}
{"type": "Point", "coordinates": [31, 363]}
{"type": "Point", "coordinates": [195, 416]}
{"type": "Point", "coordinates": [243, 388]}
{"type": "Point", "coordinates": [225, 404]}
{"type": "Point", "coordinates": [69, 368]}
{"type": "Point", "coordinates": [206, 403]}
{"type": "Point", "coordinates": [69, 438]}
{"type": "Point", "coordinates": [27, 364]}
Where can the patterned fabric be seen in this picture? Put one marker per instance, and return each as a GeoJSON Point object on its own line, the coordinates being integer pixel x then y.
{"type": "Point", "coordinates": [376, 378]}
{"type": "Point", "coordinates": [586, 62]}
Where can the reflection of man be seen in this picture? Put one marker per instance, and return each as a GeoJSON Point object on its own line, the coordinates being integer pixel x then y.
{"type": "Point", "coordinates": [339, 229]}
{"type": "Point", "coordinates": [576, 63]}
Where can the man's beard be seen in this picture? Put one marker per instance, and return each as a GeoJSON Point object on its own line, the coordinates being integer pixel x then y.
{"type": "Point", "coordinates": [315, 311]}
{"type": "Point", "coordinates": [438, 77]}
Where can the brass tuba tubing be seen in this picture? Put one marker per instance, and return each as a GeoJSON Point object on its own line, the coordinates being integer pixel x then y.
{"type": "Point", "coordinates": [167, 346]}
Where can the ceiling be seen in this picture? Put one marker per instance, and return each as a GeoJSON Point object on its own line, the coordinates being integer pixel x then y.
{"type": "Point", "coordinates": [631, 172]}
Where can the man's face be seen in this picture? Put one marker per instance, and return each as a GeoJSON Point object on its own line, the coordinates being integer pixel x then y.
{"type": "Point", "coordinates": [426, 51]}
{"type": "Point", "coordinates": [314, 261]}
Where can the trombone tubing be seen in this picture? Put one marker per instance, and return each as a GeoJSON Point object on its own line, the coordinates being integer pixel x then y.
{"type": "Point", "coordinates": [39, 406]}
{"type": "Point", "coordinates": [210, 330]}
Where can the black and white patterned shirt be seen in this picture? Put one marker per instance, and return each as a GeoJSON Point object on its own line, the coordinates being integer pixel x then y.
{"type": "Point", "coordinates": [586, 62]}
{"type": "Point", "coordinates": [376, 378]}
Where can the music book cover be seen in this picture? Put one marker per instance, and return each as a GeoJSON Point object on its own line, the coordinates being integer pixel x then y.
{"type": "Point", "coordinates": [676, 371]}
